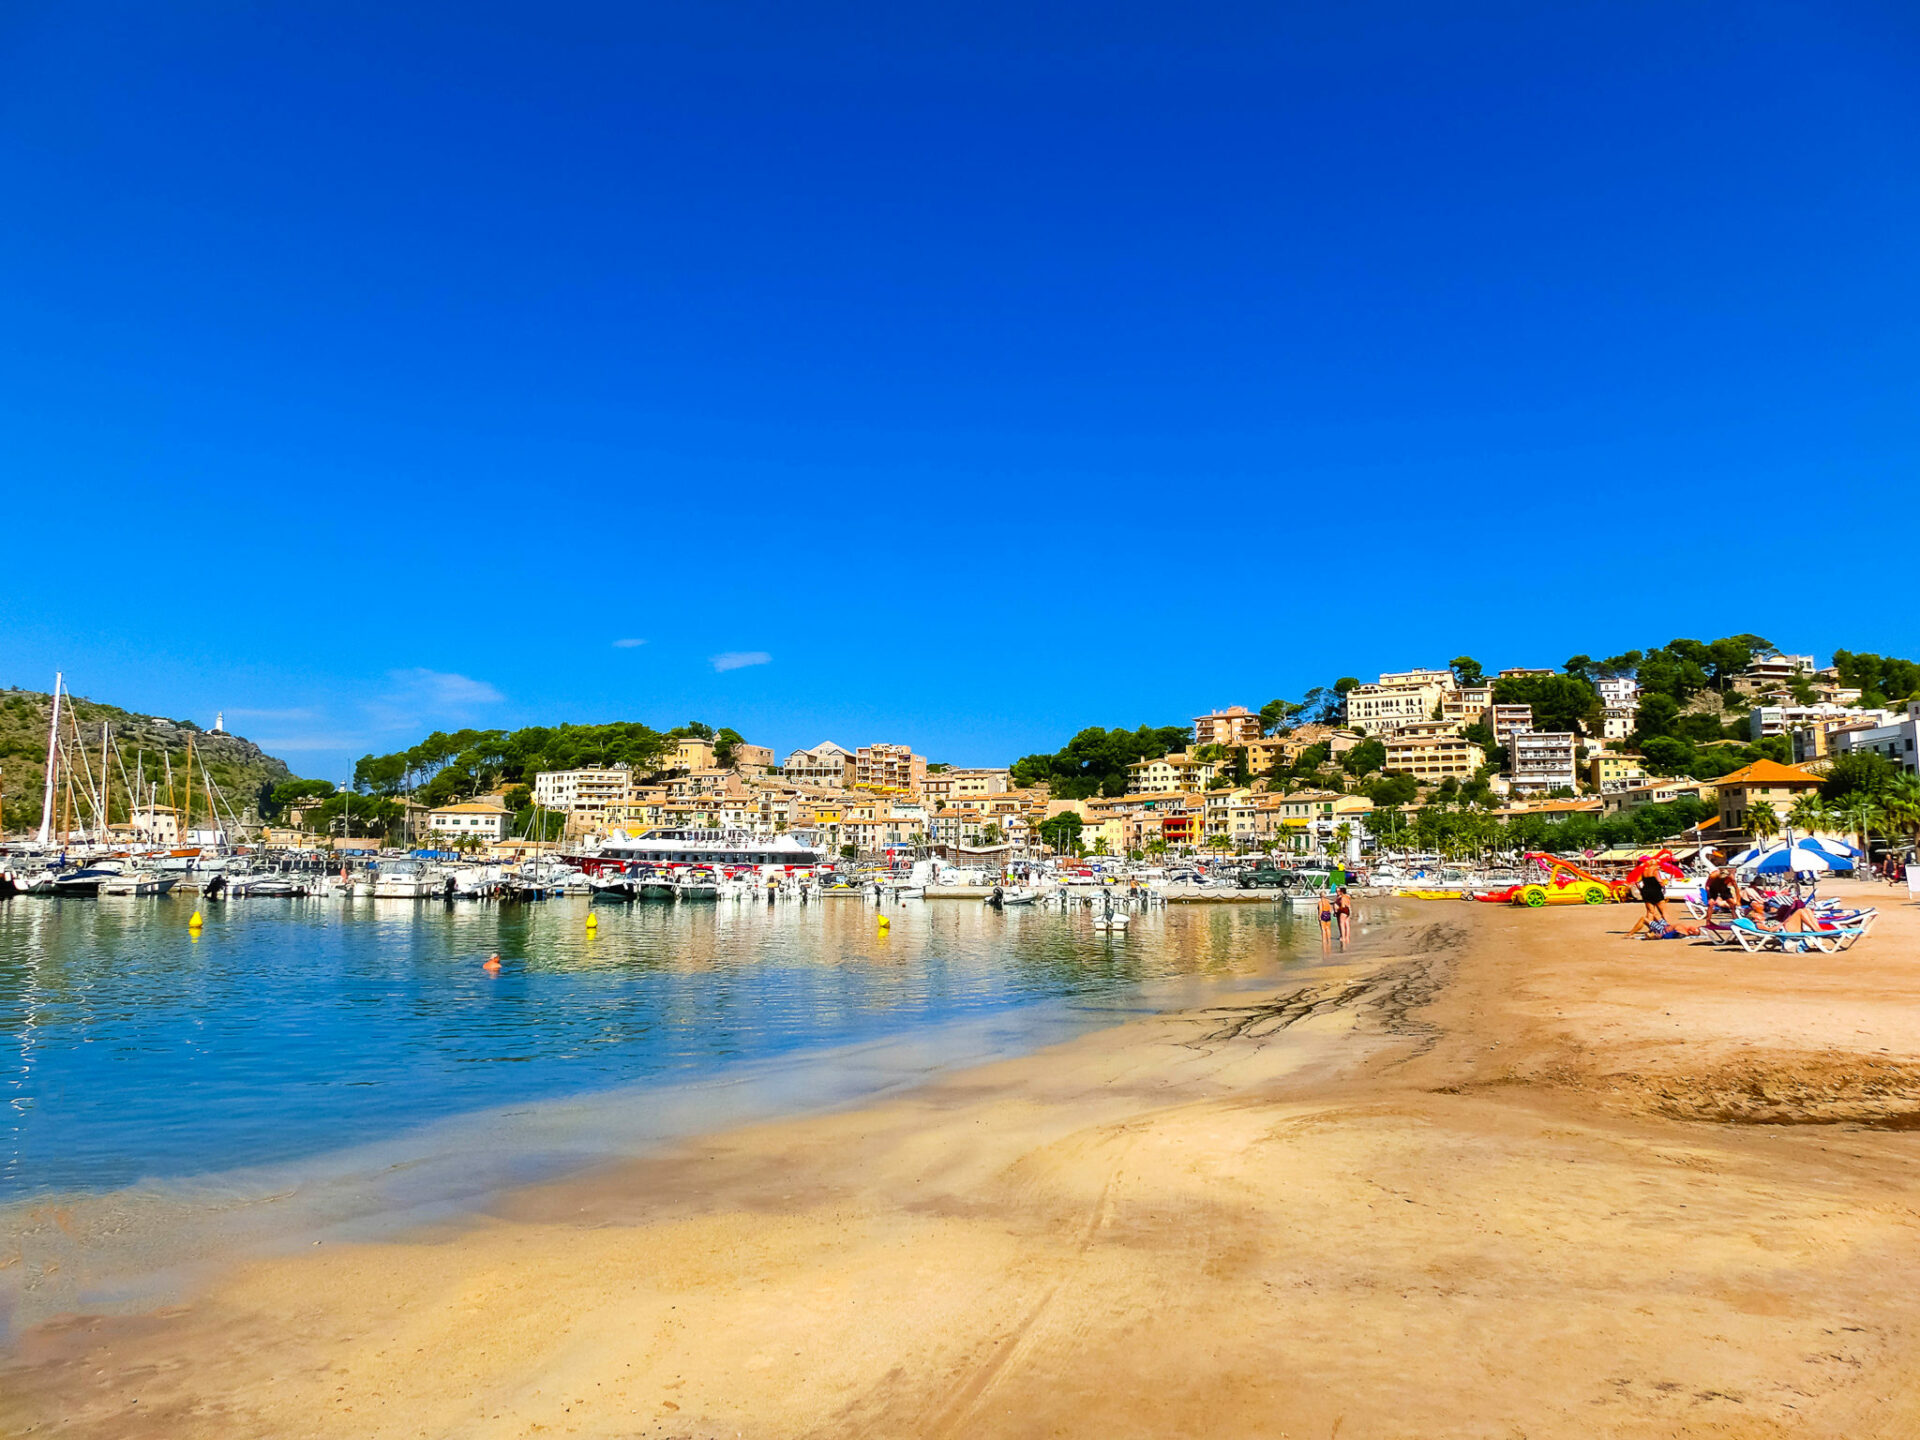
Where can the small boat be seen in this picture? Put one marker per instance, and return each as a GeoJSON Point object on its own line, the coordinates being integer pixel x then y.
{"type": "Point", "coordinates": [697, 883]}
{"type": "Point", "coordinates": [614, 886]}
{"type": "Point", "coordinates": [656, 885]}
{"type": "Point", "coordinates": [138, 882]}
{"type": "Point", "coordinates": [267, 887]}
{"type": "Point", "coordinates": [82, 884]}
{"type": "Point", "coordinates": [403, 880]}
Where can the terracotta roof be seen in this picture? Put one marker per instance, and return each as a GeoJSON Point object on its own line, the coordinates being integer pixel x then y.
{"type": "Point", "coordinates": [1769, 772]}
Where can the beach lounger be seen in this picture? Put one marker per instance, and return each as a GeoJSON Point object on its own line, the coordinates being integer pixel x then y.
{"type": "Point", "coordinates": [1757, 938]}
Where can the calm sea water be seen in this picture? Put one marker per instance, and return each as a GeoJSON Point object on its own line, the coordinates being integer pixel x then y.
{"type": "Point", "coordinates": [136, 1052]}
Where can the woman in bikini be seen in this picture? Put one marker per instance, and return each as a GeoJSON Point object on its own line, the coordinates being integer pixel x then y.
{"type": "Point", "coordinates": [1326, 919]}
{"type": "Point", "coordinates": [1343, 908]}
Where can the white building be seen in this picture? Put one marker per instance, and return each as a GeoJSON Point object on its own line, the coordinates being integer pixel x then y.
{"type": "Point", "coordinates": [1779, 719]}
{"type": "Point", "coordinates": [1620, 703]}
{"type": "Point", "coordinates": [1542, 760]}
{"type": "Point", "coordinates": [1899, 741]}
{"type": "Point", "coordinates": [1620, 690]}
{"type": "Point", "coordinates": [592, 790]}
{"type": "Point", "coordinates": [1509, 720]}
{"type": "Point", "coordinates": [476, 817]}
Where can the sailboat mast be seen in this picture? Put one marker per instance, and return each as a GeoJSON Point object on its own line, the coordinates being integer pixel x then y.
{"type": "Point", "coordinates": [53, 743]}
{"type": "Point", "coordinates": [189, 810]}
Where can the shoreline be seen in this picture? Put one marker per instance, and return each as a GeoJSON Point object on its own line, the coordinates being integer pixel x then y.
{"type": "Point", "coordinates": [125, 1250]}
{"type": "Point", "coordinates": [1504, 1172]}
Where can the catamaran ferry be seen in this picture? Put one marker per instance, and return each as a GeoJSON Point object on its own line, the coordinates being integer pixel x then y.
{"type": "Point", "coordinates": [790, 850]}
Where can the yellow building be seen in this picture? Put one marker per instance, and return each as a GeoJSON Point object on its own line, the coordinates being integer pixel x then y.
{"type": "Point", "coordinates": [1764, 781]}
{"type": "Point", "coordinates": [1168, 773]}
{"type": "Point", "coordinates": [1432, 758]}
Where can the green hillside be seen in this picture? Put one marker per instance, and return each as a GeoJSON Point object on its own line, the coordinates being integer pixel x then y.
{"type": "Point", "coordinates": [243, 772]}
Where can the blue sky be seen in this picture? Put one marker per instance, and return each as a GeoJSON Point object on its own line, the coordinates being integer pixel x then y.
{"type": "Point", "coordinates": [958, 376]}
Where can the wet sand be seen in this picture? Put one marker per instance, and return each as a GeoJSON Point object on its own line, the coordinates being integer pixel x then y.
{"type": "Point", "coordinates": [1507, 1175]}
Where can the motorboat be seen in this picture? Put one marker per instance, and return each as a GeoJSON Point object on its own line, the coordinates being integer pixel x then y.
{"type": "Point", "coordinates": [404, 880]}
{"type": "Point", "coordinates": [656, 885]}
{"type": "Point", "coordinates": [84, 883]}
{"type": "Point", "coordinates": [617, 886]}
{"type": "Point", "coordinates": [138, 882]}
{"type": "Point", "coordinates": [697, 883]}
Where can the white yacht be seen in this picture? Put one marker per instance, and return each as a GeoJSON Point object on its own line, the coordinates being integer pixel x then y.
{"type": "Point", "coordinates": [790, 850]}
{"type": "Point", "coordinates": [404, 880]}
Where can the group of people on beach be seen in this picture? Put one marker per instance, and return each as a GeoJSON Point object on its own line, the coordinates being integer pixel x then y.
{"type": "Point", "coordinates": [1336, 906]}
{"type": "Point", "coordinates": [1726, 898]}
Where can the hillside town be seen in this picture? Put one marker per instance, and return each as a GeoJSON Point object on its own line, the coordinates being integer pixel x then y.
{"type": "Point", "coordinates": [1412, 756]}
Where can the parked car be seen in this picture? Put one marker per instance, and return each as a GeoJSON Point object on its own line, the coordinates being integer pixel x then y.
{"type": "Point", "coordinates": [1265, 879]}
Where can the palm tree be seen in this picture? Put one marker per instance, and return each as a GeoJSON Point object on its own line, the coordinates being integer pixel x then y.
{"type": "Point", "coordinates": [1862, 815]}
{"type": "Point", "coordinates": [1343, 833]}
{"type": "Point", "coordinates": [1763, 821]}
{"type": "Point", "coordinates": [1900, 803]}
{"type": "Point", "coordinates": [1810, 813]}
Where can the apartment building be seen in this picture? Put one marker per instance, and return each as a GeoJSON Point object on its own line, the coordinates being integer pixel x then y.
{"type": "Point", "coordinates": [1634, 795]}
{"type": "Point", "coordinates": [1168, 773]}
{"type": "Point", "coordinates": [1432, 758]}
{"type": "Point", "coordinates": [478, 818]}
{"type": "Point", "coordinates": [593, 791]}
{"type": "Point", "coordinates": [825, 764]}
{"type": "Point", "coordinates": [941, 786]}
{"type": "Point", "coordinates": [690, 752]}
{"type": "Point", "coordinates": [1542, 760]}
{"type": "Point", "coordinates": [1608, 771]}
{"type": "Point", "coordinates": [891, 768]}
{"type": "Point", "coordinates": [1898, 741]}
{"type": "Point", "coordinates": [1619, 691]}
{"type": "Point", "coordinates": [1265, 756]}
{"type": "Point", "coordinates": [1416, 679]}
{"type": "Point", "coordinates": [1466, 705]}
{"type": "Point", "coordinates": [1386, 707]}
{"type": "Point", "coordinates": [1765, 720]}
{"type": "Point", "coordinates": [1774, 671]}
{"type": "Point", "coordinates": [1235, 725]}
{"type": "Point", "coordinates": [1509, 719]}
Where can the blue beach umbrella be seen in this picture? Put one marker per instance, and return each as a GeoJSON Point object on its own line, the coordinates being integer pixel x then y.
{"type": "Point", "coordinates": [1798, 858]}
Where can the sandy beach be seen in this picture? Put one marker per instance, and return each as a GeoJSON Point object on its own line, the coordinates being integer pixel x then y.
{"type": "Point", "coordinates": [1500, 1173]}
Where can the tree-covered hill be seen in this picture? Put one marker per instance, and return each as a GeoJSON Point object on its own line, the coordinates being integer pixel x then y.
{"type": "Point", "coordinates": [244, 773]}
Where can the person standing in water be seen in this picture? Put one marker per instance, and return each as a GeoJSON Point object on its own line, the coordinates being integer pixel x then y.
{"type": "Point", "coordinates": [1326, 918]}
{"type": "Point", "coordinates": [1343, 907]}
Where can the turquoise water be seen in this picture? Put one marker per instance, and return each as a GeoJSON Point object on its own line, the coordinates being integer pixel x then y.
{"type": "Point", "coordinates": [136, 1052]}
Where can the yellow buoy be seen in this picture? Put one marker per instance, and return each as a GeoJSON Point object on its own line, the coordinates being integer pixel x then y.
{"type": "Point", "coordinates": [593, 922]}
{"type": "Point", "coordinates": [885, 923]}
{"type": "Point", "coordinates": [195, 922]}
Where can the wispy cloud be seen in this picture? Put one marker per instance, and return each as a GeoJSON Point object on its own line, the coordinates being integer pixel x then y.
{"type": "Point", "coordinates": [627, 644]}
{"type": "Point", "coordinates": [416, 699]}
{"type": "Point", "coordinates": [740, 659]}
